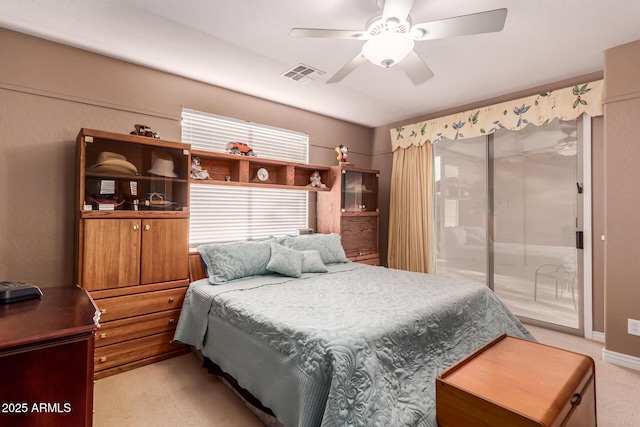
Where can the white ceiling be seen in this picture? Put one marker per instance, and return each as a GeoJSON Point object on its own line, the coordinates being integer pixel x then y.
{"type": "Point", "coordinates": [244, 45]}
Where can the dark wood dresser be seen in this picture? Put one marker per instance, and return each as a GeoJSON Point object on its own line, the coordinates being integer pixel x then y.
{"type": "Point", "coordinates": [46, 359]}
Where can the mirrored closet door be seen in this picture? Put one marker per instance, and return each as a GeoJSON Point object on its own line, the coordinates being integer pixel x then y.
{"type": "Point", "coordinates": [508, 215]}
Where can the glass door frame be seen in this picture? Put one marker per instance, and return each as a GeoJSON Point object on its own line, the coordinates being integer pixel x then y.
{"type": "Point", "coordinates": [584, 225]}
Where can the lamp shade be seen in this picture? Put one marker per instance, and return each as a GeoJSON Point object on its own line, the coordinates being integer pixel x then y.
{"type": "Point", "coordinates": [387, 48]}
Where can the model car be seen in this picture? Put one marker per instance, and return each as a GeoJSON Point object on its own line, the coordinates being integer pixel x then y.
{"type": "Point", "coordinates": [240, 148]}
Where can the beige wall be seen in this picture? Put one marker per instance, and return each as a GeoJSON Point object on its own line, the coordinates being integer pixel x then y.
{"type": "Point", "coordinates": [49, 91]}
{"type": "Point", "coordinates": [383, 159]}
{"type": "Point", "coordinates": [622, 197]}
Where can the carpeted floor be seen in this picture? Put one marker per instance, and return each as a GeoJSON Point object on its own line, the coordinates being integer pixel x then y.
{"type": "Point", "coordinates": [178, 392]}
{"type": "Point", "coordinates": [170, 393]}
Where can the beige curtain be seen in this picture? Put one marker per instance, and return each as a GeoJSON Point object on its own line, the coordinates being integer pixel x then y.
{"type": "Point", "coordinates": [411, 207]}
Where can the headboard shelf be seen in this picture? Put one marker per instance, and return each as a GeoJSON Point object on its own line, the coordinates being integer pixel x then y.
{"type": "Point", "coordinates": [242, 170]}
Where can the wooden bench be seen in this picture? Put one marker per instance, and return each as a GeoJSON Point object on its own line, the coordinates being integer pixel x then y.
{"type": "Point", "coordinates": [518, 383]}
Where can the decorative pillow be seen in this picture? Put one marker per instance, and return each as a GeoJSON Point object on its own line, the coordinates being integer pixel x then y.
{"type": "Point", "coordinates": [312, 263]}
{"type": "Point", "coordinates": [328, 245]}
{"type": "Point", "coordinates": [235, 260]}
{"type": "Point", "coordinates": [285, 261]}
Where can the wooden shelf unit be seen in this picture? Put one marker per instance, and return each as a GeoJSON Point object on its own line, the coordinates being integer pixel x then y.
{"type": "Point", "coordinates": [242, 170]}
{"type": "Point", "coordinates": [133, 260]}
{"type": "Point", "coordinates": [350, 209]}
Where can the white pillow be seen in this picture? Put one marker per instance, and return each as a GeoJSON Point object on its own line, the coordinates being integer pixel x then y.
{"type": "Point", "coordinates": [285, 261]}
{"type": "Point", "coordinates": [312, 263]}
{"type": "Point", "coordinates": [229, 261]}
{"type": "Point", "coordinates": [328, 245]}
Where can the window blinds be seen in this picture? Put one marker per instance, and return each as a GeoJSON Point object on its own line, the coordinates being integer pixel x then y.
{"type": "Point", "coordinates": [209, 132]}
{"type": "Point", "coordinates": [221, 213]}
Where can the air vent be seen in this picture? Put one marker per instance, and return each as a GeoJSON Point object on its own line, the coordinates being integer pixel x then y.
{"type": "Point", "coordinates": [302, 74]}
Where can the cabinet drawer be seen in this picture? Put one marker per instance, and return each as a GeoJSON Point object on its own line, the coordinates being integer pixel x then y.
{"type": "Point", "coordinates": [359, 235]}
{"type": "Point", "coordinates": [371, 259]}
{"type": "Point", "coordinates": [134, 305]}
{"type": "Point", "coordinates": [136, 327]}
{"type": "Point", "coordinates": [129, 351]}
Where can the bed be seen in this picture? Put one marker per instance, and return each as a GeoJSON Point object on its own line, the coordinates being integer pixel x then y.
{"type": "Point", "coordinates": [342, 344]}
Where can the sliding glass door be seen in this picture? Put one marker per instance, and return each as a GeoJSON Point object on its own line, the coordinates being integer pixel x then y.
{"type": "Point", "coordinates": [461, 208]}
{"type": "Point", "coordinates": [507, 212]}
{"type": "Point", "coordinates": [535, 222]}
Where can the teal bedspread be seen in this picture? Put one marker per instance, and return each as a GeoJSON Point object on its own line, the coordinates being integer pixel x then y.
{"type": "Point", "coordinates": [359, 345]}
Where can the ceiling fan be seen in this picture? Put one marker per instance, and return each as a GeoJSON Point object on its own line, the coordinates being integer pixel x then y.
{"type": "Point", "coordinates": [390, 37]}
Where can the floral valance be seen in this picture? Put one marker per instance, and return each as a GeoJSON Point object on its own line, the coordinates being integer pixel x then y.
{"type": "Point", "coordinates": [563, 104]}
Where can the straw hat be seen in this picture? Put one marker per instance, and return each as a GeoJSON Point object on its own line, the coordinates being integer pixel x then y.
{"type": "Point", "coordinates": [162, 164]}
{"type": "Point", "coordinates": [108, 161]}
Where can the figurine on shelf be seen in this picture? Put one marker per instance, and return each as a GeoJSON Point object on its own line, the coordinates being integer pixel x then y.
{"type": "Point", "coordinates": [142, 130]}
{"type": "Point", "coordinates": [342, 154]}
{"type": "Point", "coordinates": [240, 148]}
{"type": "Point", "coordinates": [196, 170]}
{"type": "Point", "coordinates": [316, 180]}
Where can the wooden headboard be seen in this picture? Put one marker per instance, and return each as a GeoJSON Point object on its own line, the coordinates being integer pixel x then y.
{"type": "Point", "coordinates": [196, 267]}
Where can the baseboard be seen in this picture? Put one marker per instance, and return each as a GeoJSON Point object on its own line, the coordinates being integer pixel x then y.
{"type": "Point", "coordinates": [597, 336]}
{"type": "Point", "coordinates": [621, 359]}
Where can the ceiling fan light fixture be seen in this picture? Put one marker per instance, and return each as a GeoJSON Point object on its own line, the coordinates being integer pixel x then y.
{"type": "Point", "coordinates": [387, 48]}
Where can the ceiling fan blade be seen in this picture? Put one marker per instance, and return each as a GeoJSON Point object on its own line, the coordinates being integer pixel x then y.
{"type": "Point", "coordinates": [348, 68]}
{"type": "Point", "coordinates": [476, 23]}
{"type": "Point", "coordinates": [398, 9]}
{"type": "Point", "coordinates": [415, 68]}
{"type": "Point", "coordinates": [329, 34]}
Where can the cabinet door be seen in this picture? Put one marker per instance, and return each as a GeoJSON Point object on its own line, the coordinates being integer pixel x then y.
{"type": "Point", "coordinates": [165, 249]}
{"type": "Point", "coordinates": [127, 171]}
{"type": "Point", "coordinates": [359, 235]}
{"type": "Point", "coordinates": [57, 374]}
{"type": "Point", "coordinates": [111, 256]}
{"type": "Point", "coordinates": [359, 191]}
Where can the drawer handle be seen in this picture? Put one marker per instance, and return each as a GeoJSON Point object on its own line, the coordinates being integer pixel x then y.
{"type": "Point", "coordinates": [147, 227]}
{"type": "Point", "coordinates": [136, 226]}
{"type": "Point", "coordinates": [103, 310]}
{"type": "Point", "coordinates": [103, 335]}
{"type": "Point", "coordinates": [171, 321]}
{"type": "Point", "coordinates": [576, 399]}
{"type": "Point", "coordinates": [172, 299]}
{"type": "Point", "coordinates": [103, 359]}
